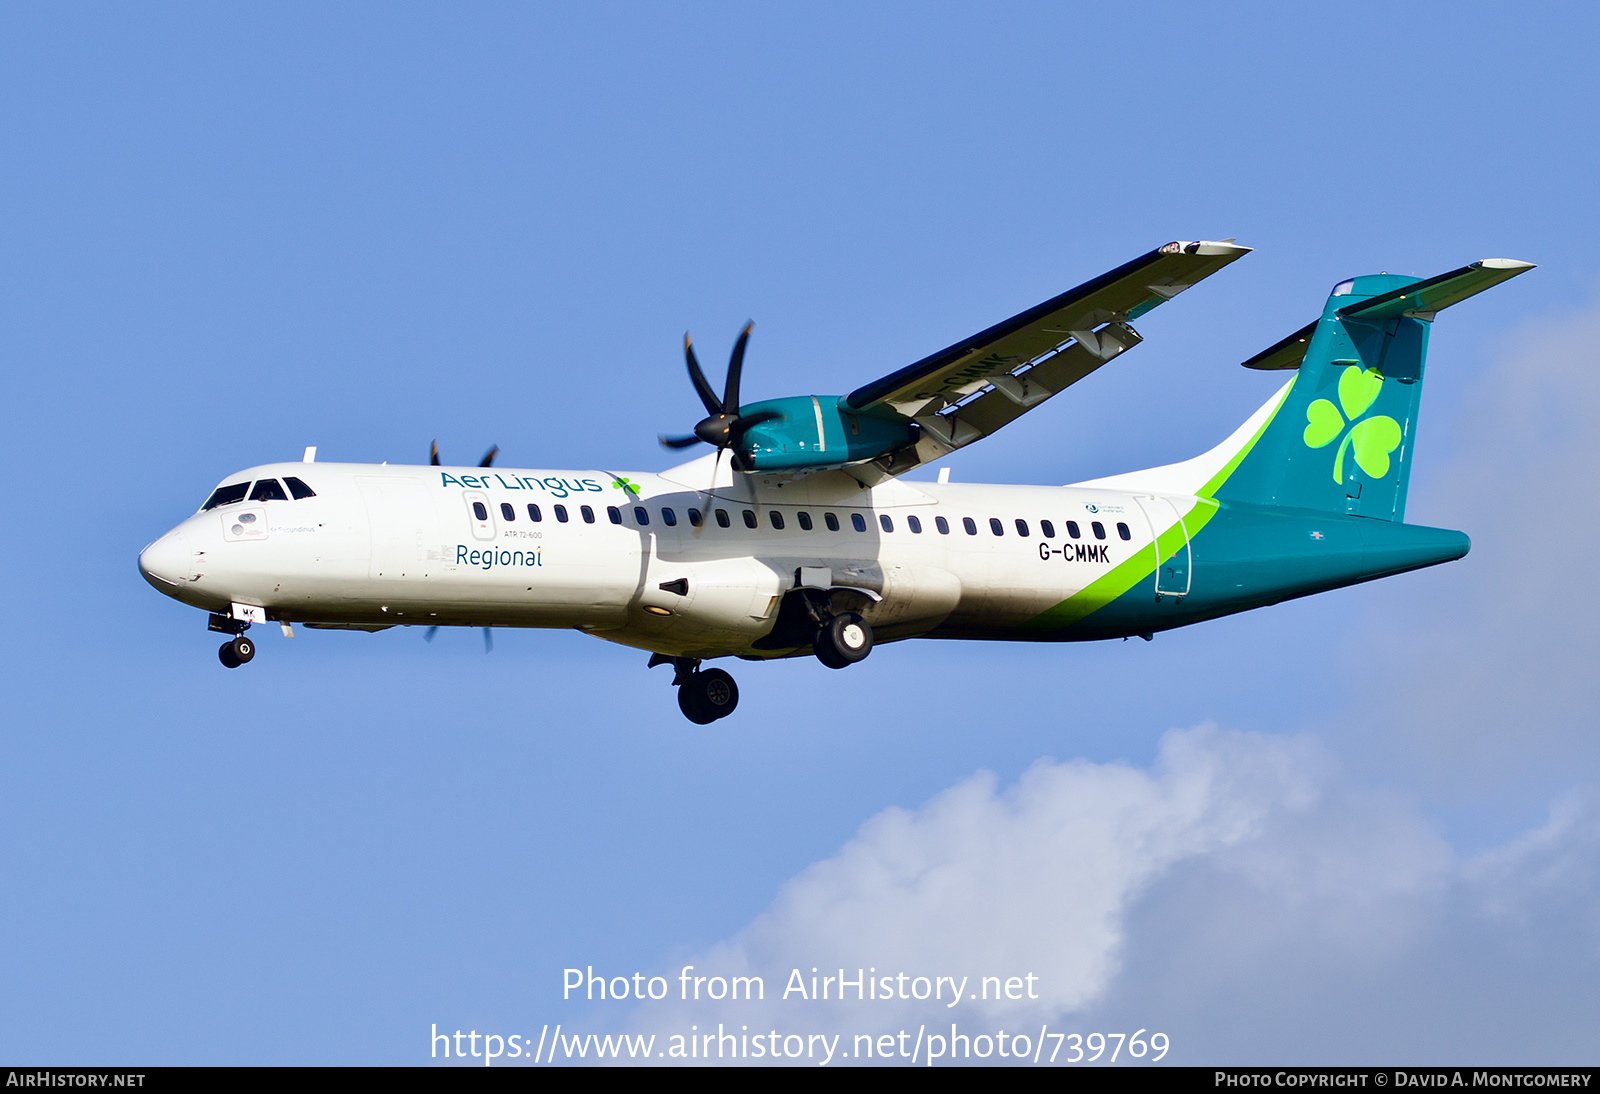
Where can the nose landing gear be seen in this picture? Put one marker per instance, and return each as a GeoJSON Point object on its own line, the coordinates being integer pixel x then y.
{"type": "Point", "coordinates": [237, 652]}
{"type": "Point", "coordinates": [704, 695]}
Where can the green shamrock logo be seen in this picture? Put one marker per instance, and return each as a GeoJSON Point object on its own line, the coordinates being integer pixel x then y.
{"type": "Point", "coordinates": [625, 486]}
{"type": "Point", "coordinates": [1371, 440]}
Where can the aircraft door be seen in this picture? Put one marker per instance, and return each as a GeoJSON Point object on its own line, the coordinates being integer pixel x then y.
{"type": "Point", "coordinates": [1171, 558]}
{"type": "Point", "coordinates": [405, 530]}
{"type": "Point", "coordinates": [479, 514]}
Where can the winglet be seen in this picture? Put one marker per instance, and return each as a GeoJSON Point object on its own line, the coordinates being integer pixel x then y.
{"type": "Point", "coordinates": [1204, 247]}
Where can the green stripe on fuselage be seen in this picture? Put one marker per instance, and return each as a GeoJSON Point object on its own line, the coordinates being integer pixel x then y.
{"type": "Point", "coordinates": [1107, 588]}
{"type": "Point", "coordinates": [1124, 576]}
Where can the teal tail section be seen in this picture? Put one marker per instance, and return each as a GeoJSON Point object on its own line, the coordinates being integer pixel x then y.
{"type": "Point", "coordinates": [1342, 439]}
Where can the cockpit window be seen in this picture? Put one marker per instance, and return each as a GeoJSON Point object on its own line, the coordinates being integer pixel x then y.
{"type": "Point", "coordinates": [298, 488]}
{"type": "Point", "coordinates": [268, 490]}
{"type": "Point", "coordinates": [226, 495]}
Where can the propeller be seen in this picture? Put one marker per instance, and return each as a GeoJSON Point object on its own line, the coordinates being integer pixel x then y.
{"type": "Point", "coordinates": [488, 636]}
{"type": "Point", "coordinates": [723, 427]}
{"type": "Point", "coordinates": [487, 461]}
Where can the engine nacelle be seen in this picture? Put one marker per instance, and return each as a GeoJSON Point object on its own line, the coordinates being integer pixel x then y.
{"type": "Point", "coordinates": [817, 431]}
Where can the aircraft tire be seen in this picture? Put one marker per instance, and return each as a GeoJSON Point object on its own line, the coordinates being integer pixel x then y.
{"type": "Point", "coordinates": [689, 703]}
{"type": "Point", "coordinates": [843, 640]}
{"type": "Point", "coordinates": [226, 656]}
{"type": "Point", "coordinates": [243, 649]}
{"type": "Point", "coordinates": [707, 696]}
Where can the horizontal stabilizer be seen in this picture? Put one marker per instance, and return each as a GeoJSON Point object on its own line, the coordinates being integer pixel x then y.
{"type": "Point", "coordinates": [1415, 300]}
{"type": "Point", "coordinates": [1422, 299]}
{"type": "Point", "coordinates": [1285, 354]}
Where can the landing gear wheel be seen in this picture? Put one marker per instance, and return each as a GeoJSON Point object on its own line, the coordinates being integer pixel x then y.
{"type": "Point", "coordinates": [843, 640]}
{"type": "Point", "coordinates": [226, 655]}
{"type": "Point", "coordinates": [707, 696]}
{"type": "Point", "coordinates": [243, 649]}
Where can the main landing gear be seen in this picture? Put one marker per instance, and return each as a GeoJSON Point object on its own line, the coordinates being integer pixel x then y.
{"type": "Point", "coordinates": [238, 650]}
{"type": "Point", "coordinates": [704, 695]}
{"type": "Point", "coordinates": [843, 640]}
{"type": "Point", "coordinates": [839, 641]}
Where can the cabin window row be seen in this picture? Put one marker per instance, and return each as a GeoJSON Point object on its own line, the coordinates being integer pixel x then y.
{"type": "Point", "coordinates": [858, 521]}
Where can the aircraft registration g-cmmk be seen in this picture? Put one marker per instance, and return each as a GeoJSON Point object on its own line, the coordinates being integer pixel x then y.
{"type": "Point", "coordinates": [799, 536]}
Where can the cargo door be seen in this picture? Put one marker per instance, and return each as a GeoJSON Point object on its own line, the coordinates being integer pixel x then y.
{"type": "Point", "coordinates": [405, 529]}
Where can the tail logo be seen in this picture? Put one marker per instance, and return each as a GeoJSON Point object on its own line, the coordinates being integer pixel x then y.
{"type": "Point", "coordinates": [1370, 439]}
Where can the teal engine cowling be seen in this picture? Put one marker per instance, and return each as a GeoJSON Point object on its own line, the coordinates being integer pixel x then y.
{"type": "Point", "coordinates": [810, 432]}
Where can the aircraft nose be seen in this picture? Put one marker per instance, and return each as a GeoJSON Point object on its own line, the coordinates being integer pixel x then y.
{"type": "Point", "coordinates": [167, 561]}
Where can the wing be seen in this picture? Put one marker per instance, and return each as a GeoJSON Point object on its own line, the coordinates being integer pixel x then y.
{"type": "Point", "coordinates": [974, 387]}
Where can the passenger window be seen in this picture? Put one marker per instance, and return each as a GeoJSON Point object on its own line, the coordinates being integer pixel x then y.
{"type": "Point", "coordinates": [1122, 530]}
{"type": "Point", "coordinates": [886, 522]}
{"type": "Point", "coordinates": [805, 520]}
{"type": "Point", "coordinates": [749, 518]}
{"type": "Point", "coordinates": [1047, 530]}
{"type": "Point", "coordinates": [1072, 529]}
{"type": "Point", "coordinates": [561, 513]}
{"type": "Point", "coordinates": [996, 527]}
{"type": "Point", "coordinates": [915, 525]}
{"type": "Point", "coordinates": [642, 515]}
{"type": "Point", "coordinates": [1022, 528]}
{"type": "Point", "coordinates": [696, 517]}
{"type": "Point", "coordinates": [970, 525]}
{"type": "Point", "coordinates": [722, 518]}
{"type": "Point", "coordinates": [534, 514]}
{"type": "Point", "coordinates": [614, 514]}
{"type": "Point", "coordinates": [943, 525]}
{"type": "Point", "coordinates": [669, 518]}
{"type": "Point", "coordinates": [588, 514]}
{"type": "Point", "coordinates": [831, 521]}
{"type": "Point", "coordinates": [507, 511]}
{"type": "Point", "coordinates": [858, 522]}
{"type": "Point", "coordinates": [297, 488]}
{"type": "Point", "coordinates": [268, 490]}
{"type": "Point", "coordinates": [1099, 529]}
{"type": "Point", "coordinates": [776, 518]}
{"type": "Point", "coordinates": [226, 495]}
{"type": "Point", "coordinates": [480, 510]}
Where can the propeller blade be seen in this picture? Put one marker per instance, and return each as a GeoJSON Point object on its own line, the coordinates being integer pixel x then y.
{"type": "Point", "coordinates": [698, 378]}
{"type": "Point", "coordinates": [488, 640]}
{"type": "Point", "coordinates": [730, 395]}
{"type": "Point", "coordinates": [433, 453]}
{"type": "Point", "coordinates": [750, 420]}
{"type": "Point", "coordinates": [427, 635]}
{"type": "Point", "coordinates": [683, 441]}
{"type": "Point", "coordinates": [488, 457]}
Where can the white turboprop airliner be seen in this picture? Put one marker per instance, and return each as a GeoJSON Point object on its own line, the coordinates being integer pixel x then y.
{"type": "Point", "coordinates": [799, 536]}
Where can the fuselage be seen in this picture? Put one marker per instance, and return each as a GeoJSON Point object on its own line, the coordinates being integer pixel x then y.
{"type": "Point", "coordinates": [698, 562]}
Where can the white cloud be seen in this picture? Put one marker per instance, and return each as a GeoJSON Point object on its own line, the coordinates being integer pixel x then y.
{"type": "Point", "coordinates": [1033, 879]}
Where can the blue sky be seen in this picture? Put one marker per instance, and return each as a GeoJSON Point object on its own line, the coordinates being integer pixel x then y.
{"type": "Point", "coordinates": [233, 232]}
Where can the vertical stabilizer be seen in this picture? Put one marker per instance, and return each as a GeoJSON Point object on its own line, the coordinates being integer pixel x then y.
{"type": "Point", "coordinates": [1341, 440]}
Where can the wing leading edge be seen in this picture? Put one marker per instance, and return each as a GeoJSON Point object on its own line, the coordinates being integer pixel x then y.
{"type": "Point", "coordinates": [968, 390]}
